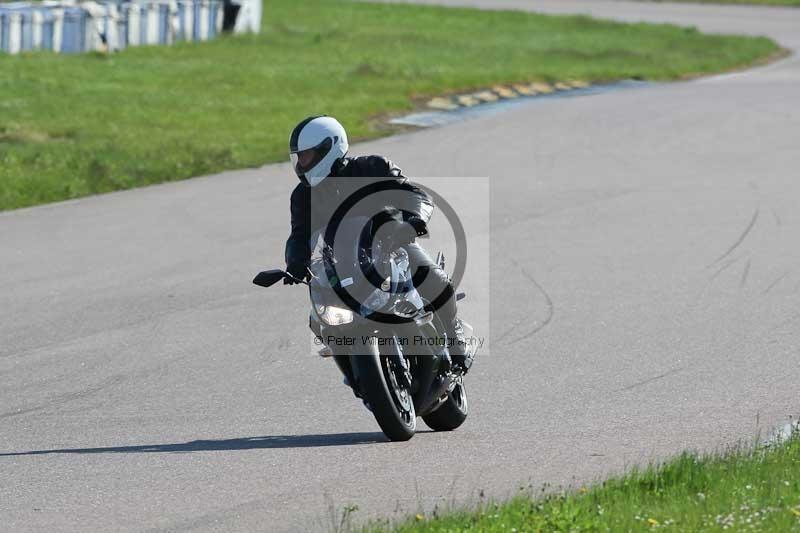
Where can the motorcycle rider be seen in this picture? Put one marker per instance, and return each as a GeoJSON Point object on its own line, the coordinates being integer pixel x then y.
{"type": "Point", "coordinates": [318, 148]}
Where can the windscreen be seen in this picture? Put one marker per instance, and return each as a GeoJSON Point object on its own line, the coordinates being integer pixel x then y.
{"type": "Point", "coordinates": [338, 263]}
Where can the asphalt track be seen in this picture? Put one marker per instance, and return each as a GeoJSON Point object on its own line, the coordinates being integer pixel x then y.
{"type": "Point", "coordinates": [644, 299]}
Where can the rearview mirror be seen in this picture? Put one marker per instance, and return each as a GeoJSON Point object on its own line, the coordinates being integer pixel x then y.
{"type": "Point", "coordinates": [269, 277]}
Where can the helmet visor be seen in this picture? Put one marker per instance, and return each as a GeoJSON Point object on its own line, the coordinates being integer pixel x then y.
{"type": "Point", "coordinates": [305, 160]}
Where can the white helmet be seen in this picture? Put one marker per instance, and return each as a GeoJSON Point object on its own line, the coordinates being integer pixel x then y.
{"type": "Point", "coordinates": [315, 144]}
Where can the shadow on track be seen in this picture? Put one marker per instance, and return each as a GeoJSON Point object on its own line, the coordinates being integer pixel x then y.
{"type": "Point", "coordinates": [248, 443]}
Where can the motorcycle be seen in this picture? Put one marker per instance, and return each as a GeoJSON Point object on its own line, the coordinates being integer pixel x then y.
{"type": "Point", "coordinates": [387, 341]}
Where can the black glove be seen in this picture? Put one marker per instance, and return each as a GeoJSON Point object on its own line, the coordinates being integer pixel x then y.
{"type": "Point", "coordinates": [298, 270]}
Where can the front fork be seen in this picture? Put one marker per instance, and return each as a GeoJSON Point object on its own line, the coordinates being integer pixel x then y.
{"type": "Point", "coordinates": [432, 359]}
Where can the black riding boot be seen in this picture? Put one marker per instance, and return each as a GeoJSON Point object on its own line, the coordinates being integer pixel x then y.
{"type": "Point", "coordinates": [434, 285]}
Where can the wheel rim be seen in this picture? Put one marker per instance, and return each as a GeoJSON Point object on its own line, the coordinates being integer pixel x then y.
{"type": "Point", "coordinates": [459, 396]}
{"type": "Point", "coordinates": [400, 395]}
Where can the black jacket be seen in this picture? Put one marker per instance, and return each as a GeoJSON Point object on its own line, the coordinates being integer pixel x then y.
{"type": "Point", "coordinates": [373, 178]}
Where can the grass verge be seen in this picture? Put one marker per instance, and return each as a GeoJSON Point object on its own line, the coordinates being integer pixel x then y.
{"type": "Point", "coordinates": [753, 490]}
{"type": "Point", "coordinates": [785, 3]}
{"type": "Point", "coordinates": [77, 125]}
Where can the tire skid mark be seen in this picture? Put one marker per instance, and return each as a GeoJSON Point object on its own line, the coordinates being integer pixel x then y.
{"type": "Point", "coordinates": [774, 283]}
{"type": "Point", "coordinates": [741, 238]}
{"type": "Point", "coordinates": [111, 381]}
{"type": "Point", "coordinates": [154, 336]}
{"type": "Point", "coordinates": [213, 305]}
{"type": "Point", "coordinates": [745, 274]}
{"type": "Point", "coordinates": [538, 325]}
{"type": "Point", "coordinates": [724, 267]}
{"type": "Point", "coordinates": [66, 398]}
{"type": "Point", "coordinates": [516, 323]}
{"type": "Point", "coordinates": [513, 327]}
{"type": "Point", "coordinates": [652, 379]}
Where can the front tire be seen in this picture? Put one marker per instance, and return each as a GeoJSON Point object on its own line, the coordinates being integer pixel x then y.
{"type": "Point", "coordinates": [452, 413]}
{"type": "Point", "coordinates": [391, 403]}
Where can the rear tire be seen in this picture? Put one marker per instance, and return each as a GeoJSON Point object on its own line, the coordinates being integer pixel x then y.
{"type": "Point", "coordinates": [452, 413]}
{"type": "Point", "coordinates": [391, 404]}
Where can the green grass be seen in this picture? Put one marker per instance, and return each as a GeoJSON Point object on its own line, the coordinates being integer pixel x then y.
{"type": "Point", "coordinates": [790, 3]}
{"type": "Point", "coordinates": [77, 125]}
{"type": "Point", "coordinates": [754, 490]}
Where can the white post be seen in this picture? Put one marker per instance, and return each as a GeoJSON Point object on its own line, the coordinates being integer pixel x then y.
{"type": "Point", "coordinates": [14, 32]}
{"type": "Point", "coordinates": [133, 24]}
{"type": "Point", "coordinates": [174, 20]}
{"type": "Point", "coordinates": [112, 31]}
{"type": "Point", "coordinates": [58, 27]}
{"type": "Point", "coordinates": [188, 20]}
{"type": "Point", "coordinates": [204, 20]}
{"type": "Point", "coordinates": [36, 28]}
{"type": "Point", "coordinates": [249, 18]}
{"type": "Point", "coordinates": [152, 23]}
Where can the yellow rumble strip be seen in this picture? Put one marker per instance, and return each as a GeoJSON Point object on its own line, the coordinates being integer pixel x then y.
{"type": "Point", "coordinates": [467, 100]}
{"type": "Point", "coordinates": [504, 92]}
{"type": "Point", "coordinates": [445, 104]}
{"type": "Point", "coordinates": [486, 96]}
{"type": "Point", "coordinates": [544, 88]}
{"type": "Point", "coordinates": [525, 90]}
{"type": "Point", "coordinates": [498, 92]}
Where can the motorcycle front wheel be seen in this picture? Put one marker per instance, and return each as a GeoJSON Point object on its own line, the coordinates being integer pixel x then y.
{"type": "Point", "coordinates": [391, 403]}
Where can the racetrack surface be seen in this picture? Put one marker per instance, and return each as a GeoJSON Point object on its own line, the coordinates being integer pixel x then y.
{"type": "Point", "coordinates": [645, 298]}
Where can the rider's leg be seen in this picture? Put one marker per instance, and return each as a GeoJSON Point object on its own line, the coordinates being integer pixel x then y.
{"type": "Point", "coordinates": [434, 285]}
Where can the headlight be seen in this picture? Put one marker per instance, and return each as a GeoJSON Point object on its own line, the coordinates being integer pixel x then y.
{"type": "Point", "coordinates": [334, 316]}
{"type": "Point", "coordinates": [387, 284]}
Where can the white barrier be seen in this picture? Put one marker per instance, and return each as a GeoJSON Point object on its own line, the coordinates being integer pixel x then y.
{"type": "Point", "coordinates": [110, 25]}
{"type": "Point", "coordinates": [249, 18]}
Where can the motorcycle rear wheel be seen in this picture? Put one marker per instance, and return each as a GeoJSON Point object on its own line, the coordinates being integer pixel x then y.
{"type": "Point", "coordinates": [452, 413]}
{"type": "Point", "coordinates": [390, 402]}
